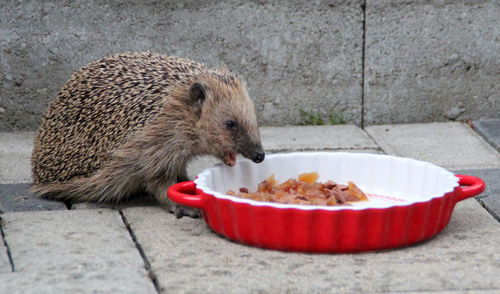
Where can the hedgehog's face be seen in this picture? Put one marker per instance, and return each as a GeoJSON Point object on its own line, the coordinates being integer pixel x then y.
{"type": "Point", "coordinates": [227, 123]}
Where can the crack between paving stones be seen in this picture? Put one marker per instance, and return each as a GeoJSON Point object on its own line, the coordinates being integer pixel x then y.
{"type": "Point", "coordinates": [363, 49]}
{"type": "Point", "coordinates": [483, 135]}
{"type": "Point", "coordinates": [147, 264]}
{"type": "Point", "coordinates": [489, 210]}
{"type": "Point", "coordinates": [7, 248]}
{"type": "Point", "coordinates": [378, 145]}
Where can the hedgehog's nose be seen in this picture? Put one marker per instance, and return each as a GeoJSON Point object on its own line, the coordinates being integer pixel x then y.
{"type": "Point", "coordinates": [258, 156]}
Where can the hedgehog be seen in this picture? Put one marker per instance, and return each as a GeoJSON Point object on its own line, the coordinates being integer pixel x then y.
{"type": "Point", "coordinates": [129, 124]}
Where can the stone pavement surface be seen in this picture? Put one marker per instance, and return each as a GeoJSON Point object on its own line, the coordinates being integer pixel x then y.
{"type": "Point", "coordinates": [140, 248]}
{"type": "Point", "coordinates": [490, 130]}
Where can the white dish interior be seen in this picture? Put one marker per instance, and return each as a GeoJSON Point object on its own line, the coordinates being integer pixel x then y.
{"type": "Point", "coordinates": [388, 180]}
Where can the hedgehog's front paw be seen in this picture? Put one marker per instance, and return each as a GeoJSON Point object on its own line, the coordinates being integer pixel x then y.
{"type": "Point", "coordinates": [180, 210]}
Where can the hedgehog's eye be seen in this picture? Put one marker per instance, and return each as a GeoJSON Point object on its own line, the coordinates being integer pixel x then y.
{"type": "Point", "coordinates": [231, 124]}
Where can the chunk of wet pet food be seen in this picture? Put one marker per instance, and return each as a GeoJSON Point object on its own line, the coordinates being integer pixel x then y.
{"type": "Point", "coordinates": [304, 190]}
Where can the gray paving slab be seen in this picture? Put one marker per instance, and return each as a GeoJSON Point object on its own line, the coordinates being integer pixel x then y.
{"type": "Point", "coordinates": [452, 145]}
{"type": "Point", "coordinates": [15, 154]}
{"type": "Point", "coordinates": [16, 197]}
{"type": "Point", "coordinates": [298, 138]}
{"type": "Point", "coordinates": [5, 265]}
{"type": "Point", "coordinates": [187, 256]}
{"type": "Point", "coordinates": [199, 164]}
{"type": "Point", "coordinates": [15, 148]}
{"type": "Point", "coordinates": [74, 249]}
{"type": "Point", "coordinates": [490, 198]}
{"type": "Point", "coordinates": [70, 282]}
{"type": "Point", "coordinates": [141, 200]}
{"type": "Point", "coordinates": [490, 130]}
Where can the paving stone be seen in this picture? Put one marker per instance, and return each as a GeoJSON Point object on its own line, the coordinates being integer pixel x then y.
{"type": "Point", "coordinates": [134, 202]}
{"type": "Point", "coordinates": [85, 205]}
{"type": "Point", "coordinates": [187, 256]}
{"type": "Point", "coordinates": [200, 163]}
{"type": "Point", "coordinates": [72, 282]}
{"type": "Point", "coordinates": [81, 249]}
{"type": "Point", "coordinates": [297, 138]}
{"type": "Point", "coordinates": [16, 197]}
{"type": "Point", "coordinates": [490, 130]}
{"type": "Point", "coordinates": [490, 198]}
{"type": "Point", "coordinates": [15, 155]}
{"type": "Point", "coordinates": [5, 266]}
{"type": "Point", "coordinates": [17, 151]}
{"type": "Point", "coordinates": [348, 138]}
{"type": "Point", "coordinates": [452, 145]}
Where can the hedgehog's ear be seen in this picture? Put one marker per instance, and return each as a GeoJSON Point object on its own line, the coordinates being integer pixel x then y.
{"type": "Point", "coordinates": [198, 92]}
{"type": "Point", "coordinates": [197, 95]}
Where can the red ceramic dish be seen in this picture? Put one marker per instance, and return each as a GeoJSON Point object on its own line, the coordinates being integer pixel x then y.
{"type": "Point", "coordinates": [410, 201]}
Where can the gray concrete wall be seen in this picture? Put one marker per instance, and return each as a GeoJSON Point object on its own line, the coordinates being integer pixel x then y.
{"type": "Point", "coordinates": [423, 60]}
{"type": "Point", "coordinates": [432, 60]}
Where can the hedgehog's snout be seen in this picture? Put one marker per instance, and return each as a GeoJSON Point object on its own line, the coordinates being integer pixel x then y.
{"type": "Point", "coordinates": [258, 156]}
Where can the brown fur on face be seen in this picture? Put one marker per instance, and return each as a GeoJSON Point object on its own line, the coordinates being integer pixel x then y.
{"type": "Point", "coordinates": [225, 104]}
{"type": "Point", "coordinates": [131, 123]}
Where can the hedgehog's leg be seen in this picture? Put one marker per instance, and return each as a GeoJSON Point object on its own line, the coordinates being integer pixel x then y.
{"type": "Point", "coordinates": [159, 188]}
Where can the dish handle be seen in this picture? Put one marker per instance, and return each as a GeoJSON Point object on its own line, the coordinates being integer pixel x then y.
{"type": "Point", "coordinates": [470, 186]}
{"type": "Point", "coordinates": [185, 193]}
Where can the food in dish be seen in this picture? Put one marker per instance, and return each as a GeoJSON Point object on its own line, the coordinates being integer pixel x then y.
{"type": "Point", "coordinates": [303, 190]}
